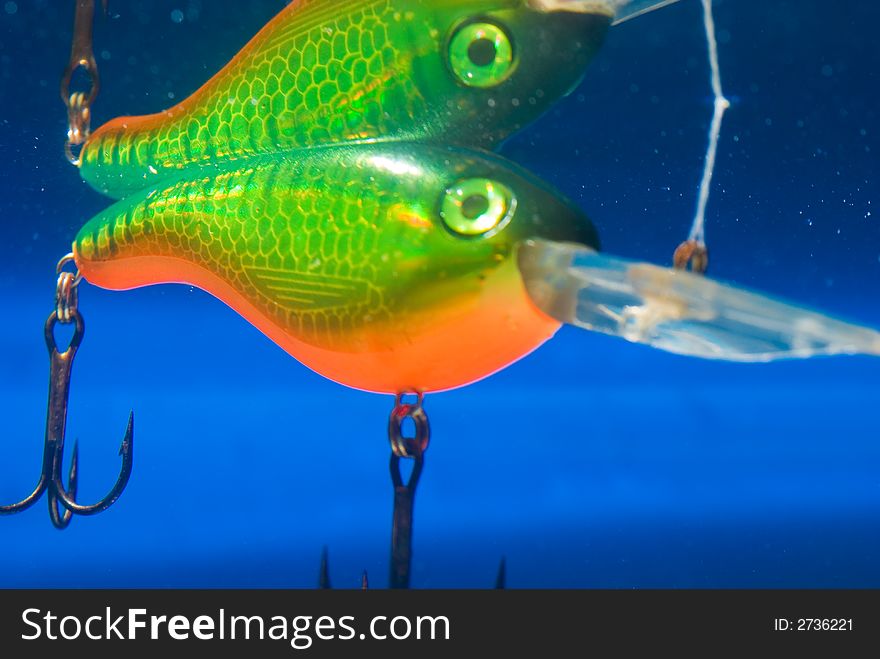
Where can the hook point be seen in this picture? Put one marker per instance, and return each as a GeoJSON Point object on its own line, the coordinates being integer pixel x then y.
{"type": "Point", "coordinates": [324, 576]}
{"type": "Point", "coordinates": [501, 579]}
{"type": "Point", "coordinates": [74, 468]}
{"type": "Point", "coordinates": [128, 438]}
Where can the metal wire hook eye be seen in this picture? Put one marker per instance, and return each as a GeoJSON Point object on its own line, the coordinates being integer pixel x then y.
{"type": "Point", "coordinates": [63, 262]}
{"type": "Point", "coordinates": [408, 447]}
{"type": "Point", "coordinates": [76, 339]}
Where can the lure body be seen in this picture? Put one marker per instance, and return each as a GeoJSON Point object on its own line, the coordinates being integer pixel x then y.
{"type": "Point", "coordinates": [467, 72]}
{"type": "Point", "coordinates": [384, 267]}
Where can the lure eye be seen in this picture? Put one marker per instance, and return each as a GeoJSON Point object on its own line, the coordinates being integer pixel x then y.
{"type": "Point", "coordinates": [476, 207]}
{"type": "Point", "coordinates": [481, 55]}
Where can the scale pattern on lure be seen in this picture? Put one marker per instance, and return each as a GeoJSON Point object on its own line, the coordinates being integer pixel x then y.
{"type": "Point", "coordinates": [468, 72]}
{"type": "Point", "coordinates": [386, 267]}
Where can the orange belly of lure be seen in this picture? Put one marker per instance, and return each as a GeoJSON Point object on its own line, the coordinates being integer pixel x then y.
{"type": "Point", "coordinates": [443, 350]}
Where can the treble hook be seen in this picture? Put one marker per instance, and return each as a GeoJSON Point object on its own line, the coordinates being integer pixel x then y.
{"type": "Point", "coordinates": [60, 365]}
{"type": "Point", "coordinates": [404, 493]}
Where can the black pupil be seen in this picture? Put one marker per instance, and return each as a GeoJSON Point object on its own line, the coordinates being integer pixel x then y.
{"type": "Point", "coordinates": [474, 206]}
{"type": "Point", "coordinates": [482, 52]}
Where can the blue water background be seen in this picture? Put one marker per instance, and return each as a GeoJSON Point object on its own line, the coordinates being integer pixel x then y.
{"type": "Point", "coordinates": [592, 462]}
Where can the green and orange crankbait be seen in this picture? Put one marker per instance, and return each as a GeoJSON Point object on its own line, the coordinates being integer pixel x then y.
{"type": "Point", "coordinates": [385, 267]}
{"type": "Point", "coordinates": [466, 72]}
{"type": "Point", "coordinates": [409, 267]}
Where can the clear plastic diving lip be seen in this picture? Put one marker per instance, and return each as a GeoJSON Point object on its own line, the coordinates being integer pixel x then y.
{"type": "Point", "coordinates": [678, 311]}
{"type": "Point", "coordinates": [620, 10]}
{"type": "Point", "coordinates": [624, 10]}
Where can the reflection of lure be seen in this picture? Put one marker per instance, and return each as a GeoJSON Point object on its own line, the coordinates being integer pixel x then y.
{"type": "Point", "coordinates": [410, 267]}
{"type": "Point", "coordinates": [468, 72]}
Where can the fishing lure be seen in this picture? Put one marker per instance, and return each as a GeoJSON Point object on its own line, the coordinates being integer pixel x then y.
{"type": "Point", "coordinates": [385, 267]}
{"type": "Point", "coordinates": [409, 267]}
{"type": "Point", "coordinates": [465, 72]}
